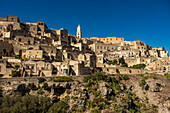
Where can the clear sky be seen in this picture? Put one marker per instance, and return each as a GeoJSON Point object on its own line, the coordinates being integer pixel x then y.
{"type": "Point", "coordinates": [146, 20]}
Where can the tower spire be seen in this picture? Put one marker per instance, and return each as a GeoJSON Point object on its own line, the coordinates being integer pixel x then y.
{"type": "Point", "coordinates": [79, 31]}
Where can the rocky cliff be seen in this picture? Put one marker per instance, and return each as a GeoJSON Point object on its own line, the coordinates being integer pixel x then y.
{"type": "Point", "coordinates": [100, 92]}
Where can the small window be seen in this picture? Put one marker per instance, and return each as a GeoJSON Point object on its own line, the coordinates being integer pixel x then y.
{"type": "Point", "coordinates": [19, 40]}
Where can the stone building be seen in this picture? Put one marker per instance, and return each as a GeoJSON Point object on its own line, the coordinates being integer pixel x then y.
{"type": "Point", "coordinates": [111, 40]}
{"type": "Point", "coordinates": [24, 40]}
{"type": "Point", "coordinates": [62, 35]}
{"type": "Point", "coordinates": [102, 47]}
{"type": "Point", "coordinates": [6, 49]}
{"type": "Point", "coordinates": [12, 19]}
{"type": "Point", "coordinates": [32, 54]}
{"type": "Point", "coordinates": [37, 68]}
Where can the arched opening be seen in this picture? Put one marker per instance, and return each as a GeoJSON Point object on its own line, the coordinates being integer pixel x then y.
{"type": "Point", "coordinates": [4, 51]}
{"type": "Point", "coordinates": [20, 52]}
{"type": "Point", "coordinates": [29, 42]}
{"type": "Point", "coordinates": [164, 68]}
{"type": "Point", "coordinates": [19, 39]}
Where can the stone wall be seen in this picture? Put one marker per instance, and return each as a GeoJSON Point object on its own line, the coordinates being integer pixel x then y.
{"type": "Point", "coordinates": [6, 49]}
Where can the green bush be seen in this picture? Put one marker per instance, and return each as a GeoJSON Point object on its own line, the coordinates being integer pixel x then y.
{"type": "Point", "coordinates": [59, 107]}
{"type": "Point", "coordinates": [147, 87]}
{"type": "Point", "coordinates": [41, 80]}
{"type": "Point", "coordinates": [154, 76]}
{"type": "Point", "coordinates": [45, 86]}
{"type": "Point", "coordinates": [16, 103]}
{"type": "Point", "coordinates": [168, 76]}
{"type": "Point", "coordinates": [16, 74]}
{"type": "Point", "coordinates": [57, 60]}
{"type": "Point", "coordinates": [122, 61]}
{"type": "Point", "coordinates": [32, 86]}
{"type": "Point", "coordinates": [139, 66]}
{"type": "Point", "coordinates": [142, 83]}
{"type": "Point", "coordinates": [63, 79]}
{"type": "Point", "coordinates": [16, 67]}
{"type": "Point", "coordinates": [125, 77]}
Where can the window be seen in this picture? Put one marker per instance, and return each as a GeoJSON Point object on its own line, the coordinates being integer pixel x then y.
{"type": "Point", "coordinates": [0, 68]}
{"type": "Point", "coordinates": [104, 47]}
{"type": "Point", "coordinates": [29, 42]}
{"type": "Point", "coordinates": [32, 67]}
{"type": "Point", "coordinates": [97, 47]}
{"type": "Point", "coordinates": [19, 40]}
{"type": "Point", "coordinates": [107, 47]}
{"type": "Point", "coordinates": [100, 47]}
{"type": "Point", "coordinates": [65, 71]}
{"type": "Point", "coordinates": [138, 47]}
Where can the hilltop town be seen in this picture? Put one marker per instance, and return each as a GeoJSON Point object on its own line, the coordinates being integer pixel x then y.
{"type": "Point", "coordinates": [80, 74]}
{"type": "Point", "coordinates": [31, 49]}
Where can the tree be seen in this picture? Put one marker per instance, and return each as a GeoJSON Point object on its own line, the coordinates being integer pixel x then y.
{"type": "Point", "coordinates": [114, 61]}
{"type": "Point", "coordinates": [59, 107]}
{"type": "Point", "coordinates": [121, 60]}
{"type": "Point", "coordinates": [139, 66]}
{"type": "Point", "coordinates": [45, 86]}
{"type": "Point", "coordinates": [41, 80]}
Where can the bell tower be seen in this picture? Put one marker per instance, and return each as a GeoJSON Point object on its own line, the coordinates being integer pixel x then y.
{"type": "Point", "coordinates": [79, 31]}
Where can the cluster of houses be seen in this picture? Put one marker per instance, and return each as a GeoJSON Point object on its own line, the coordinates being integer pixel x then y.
{"type": "Point", "coordinates": [31, 49]}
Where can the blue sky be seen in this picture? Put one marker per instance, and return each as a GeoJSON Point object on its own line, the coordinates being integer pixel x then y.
{"type": "Point", "coordinates": [146, 20]}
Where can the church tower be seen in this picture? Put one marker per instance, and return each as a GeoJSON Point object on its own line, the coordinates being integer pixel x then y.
{"type": "Point", "coordinates": [79, 31]}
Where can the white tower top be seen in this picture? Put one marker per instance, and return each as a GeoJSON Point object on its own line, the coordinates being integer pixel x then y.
{"type": "Point", "coordinates": [79, 31]}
